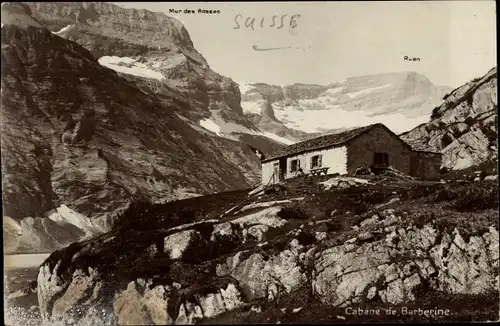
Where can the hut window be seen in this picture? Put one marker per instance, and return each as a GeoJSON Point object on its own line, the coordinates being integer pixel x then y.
{"type": "Point", "coordinates": [316, 161]}
{"type": "Point", "coordinates": [381, 159]}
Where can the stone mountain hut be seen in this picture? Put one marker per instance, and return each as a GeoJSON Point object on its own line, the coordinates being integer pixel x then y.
{"type": "Point", "coordinates": [373, 146]}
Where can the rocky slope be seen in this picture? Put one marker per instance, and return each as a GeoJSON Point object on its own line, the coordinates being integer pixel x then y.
{"type": "Point", "coordinates": [464, 126]}
{"type": "Point", "coordinates": [54, 230]}
{"type": "Point", "coordinates": [79, 134]}
{"type": "Point", "coordinates": [399, 100]}
{"type": "Point", "coordinates": [359, 244]}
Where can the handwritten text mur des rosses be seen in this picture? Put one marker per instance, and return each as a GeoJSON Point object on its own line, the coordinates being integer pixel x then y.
{"type": "Point", "coordinates": [191, 11]}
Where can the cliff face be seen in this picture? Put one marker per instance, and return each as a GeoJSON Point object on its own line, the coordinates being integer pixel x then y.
{"type": "Point", "coordinates": [77, 133]}
{"type": "Point", "coordinates": [399, 100]}
{"type": "Point", "coordinates": [464, 126]}
{"type": "Point", "coordinates": [156, 52]}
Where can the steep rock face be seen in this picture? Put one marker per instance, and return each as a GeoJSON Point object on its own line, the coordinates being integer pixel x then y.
{"type": "Point", "coordinates": [76, 133]}
{"type": "Point", "coordinates": [130, 28]}
{"type": "Point", "coordinates": [400, 100]}
{"type": "Point", "coordinates": [464, 126]}
{"type": "Point", "coordinates": [157, 53]}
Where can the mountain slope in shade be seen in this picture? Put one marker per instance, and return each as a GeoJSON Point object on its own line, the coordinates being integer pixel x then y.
{"type": "Point", "coordinates": [464, 126]}
{"type": "Point", "coordinates": [55, 230]}
{"type": "Point", "coordinates": [399, 100]}
{"type": "Point", "coordinates": [156, 52]}
{"type": "Point", "coordinates": [76, 133]}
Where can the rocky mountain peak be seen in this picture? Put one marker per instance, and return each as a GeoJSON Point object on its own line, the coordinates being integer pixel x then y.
{"type": "Point", "coordinates": [18, 14]}
{"type": "Point", "coordinates": [133, 30]}
{"type": "Point", "coordinates": [464, 126]}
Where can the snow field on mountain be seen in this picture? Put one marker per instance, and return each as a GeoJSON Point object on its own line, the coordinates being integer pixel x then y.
{"type": "Point", "coordinates": [66, 214]}
{"type": "Point", "coordinates": [319, 120]}
{"type": "Point", "coordinates": [252, 107]}
{"type": "Point", "coordinates": [170, 62]}
{"type": "Point", "coordinates": [130, 66]}
{"type": "Point", "coordinates": [367, 90]}
{"type": "Point", "coordinates": [225, 129]}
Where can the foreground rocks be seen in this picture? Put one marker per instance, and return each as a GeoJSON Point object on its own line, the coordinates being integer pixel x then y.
{"type": "Point", "coordinates": [393, 266]}
{"type": "Point", "coordinates": [205, 269]}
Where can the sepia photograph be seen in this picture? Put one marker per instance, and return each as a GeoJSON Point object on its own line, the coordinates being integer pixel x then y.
{"type": "Point", "coordinates": [318, 162]}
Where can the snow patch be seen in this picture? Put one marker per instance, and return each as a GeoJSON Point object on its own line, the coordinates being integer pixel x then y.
{"type": "Point", "coordinates": [229, 210]}
{"type": "Point", "coordinates": [339, 181]}
{"type": "Point", "coordinates": [170, 62]}
{"type": "Point", "coordinates": [211, 126]}
{"type": "Point", "coordinates": [67, 215]}
{"type": "Point", "coordinates": [268, 204]}
{"type": "Point", "coordinates": [185, 226]}
{"type": "Point", "coordinates": [308, 118]}
{"type": "Point", "coordinates": [245, 87]}
{"type": "Point", "coordinates": [252, 107]}
{"type": "Point", "coordinates": [130, 66]}
{"type": "Point", "coordinates": [277, 138]}
{"type": "Point", "coordinates": [332, 91]}
{"type": "Point", "coordinates": [265, 217]}
{"type": "Point", "coordinates": [367, 90]}
{"type": "Point", "coordinates": [65, 31]}
{"type": "Point", "coordinates": [225, 129]}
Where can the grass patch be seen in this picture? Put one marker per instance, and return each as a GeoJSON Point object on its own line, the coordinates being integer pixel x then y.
{"type": "Point", "coordinates": [147, 216]}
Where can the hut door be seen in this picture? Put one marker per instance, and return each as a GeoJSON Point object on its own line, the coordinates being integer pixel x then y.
{"type": "Point", "coordinates": [276, 172]}
{"type": "Point", "coordinates": [282, 168]}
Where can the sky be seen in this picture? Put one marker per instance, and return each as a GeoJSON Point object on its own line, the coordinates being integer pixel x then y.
{"type": "Point", "coordinates": [330, 41]}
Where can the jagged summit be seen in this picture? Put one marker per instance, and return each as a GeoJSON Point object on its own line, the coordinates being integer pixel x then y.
{"type": "Point", "coordinates": [18, 14]}
{"type": "Point", "coordinates": [464, 126]}
{"type": "Point", "coordinates": [143, 28]}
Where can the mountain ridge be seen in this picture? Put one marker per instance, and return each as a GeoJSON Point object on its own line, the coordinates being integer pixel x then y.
{"type": "Point", "coordinates": [404, 96]}
{"type": "Point", "coordinates": [464, 126]}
